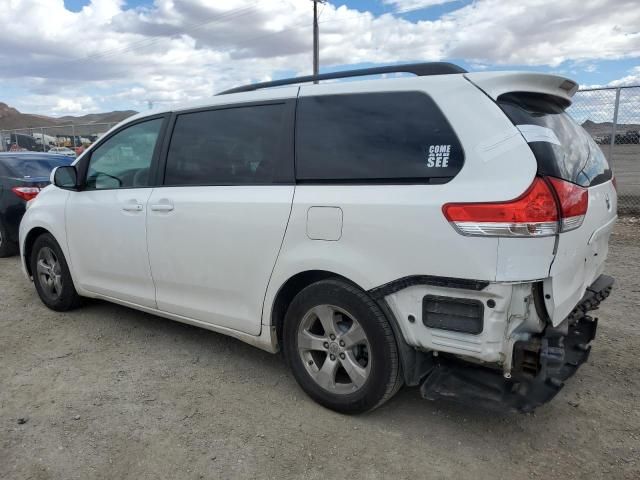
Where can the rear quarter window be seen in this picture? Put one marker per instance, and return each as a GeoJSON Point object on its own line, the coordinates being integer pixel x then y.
{"type": "Point", "coordinates": [388, 137]}
{"type": "Point", "coordinates": [575, 156]}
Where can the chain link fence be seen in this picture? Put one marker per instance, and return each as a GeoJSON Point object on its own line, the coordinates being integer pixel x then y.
{"type": "Point", "coordinates": [612, 117]}
{"type": "Point", "coordinates": [52, 138]}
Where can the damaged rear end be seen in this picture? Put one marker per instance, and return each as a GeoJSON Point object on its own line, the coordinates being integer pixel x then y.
{"type": "Point", "coordinates": [514, 341]}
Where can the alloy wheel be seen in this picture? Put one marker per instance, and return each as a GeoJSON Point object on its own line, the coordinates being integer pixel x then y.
{"type": "Point", "coordinates": [49, 273]}
{"type": "Point", "coordinates": [334, 349]}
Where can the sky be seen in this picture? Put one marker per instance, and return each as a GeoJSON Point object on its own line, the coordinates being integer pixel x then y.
{"type": "Point", "coordinates": [73, 57]}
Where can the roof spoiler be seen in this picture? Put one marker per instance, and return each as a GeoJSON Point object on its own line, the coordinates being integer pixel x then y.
{"type": "Point", "coordinates": [495, 84]}
{"type": "Point", "coordinates": [418, 69]}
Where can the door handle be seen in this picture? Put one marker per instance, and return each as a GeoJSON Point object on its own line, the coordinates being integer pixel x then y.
{"type": "Point", "coordinates": [132, 207]}
{"type": "Point", "coordinates": [165, 206]}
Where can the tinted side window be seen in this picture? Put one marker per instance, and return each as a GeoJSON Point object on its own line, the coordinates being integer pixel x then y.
{"type": "Point", "coordinates": [124, 160]}
{"type": "Point", "coordinates": [374, 136]}
{"type": "Point", "coordinates": [232, 146]}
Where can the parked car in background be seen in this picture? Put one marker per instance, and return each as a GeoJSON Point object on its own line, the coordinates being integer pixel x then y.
{"type": "Point", "coordinates": [447, 231]}
{"type": "Point", "coordinates": [63, 151]}
{"type": "Point", "coordinates": [22, 176]}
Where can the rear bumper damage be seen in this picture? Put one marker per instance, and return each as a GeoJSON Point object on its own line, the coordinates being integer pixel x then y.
{"type": "Point", "coordinates": [541, 364]}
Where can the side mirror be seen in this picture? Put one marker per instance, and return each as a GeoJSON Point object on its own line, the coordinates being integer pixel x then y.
{"type": "Point", "coordinates": [65, 177]}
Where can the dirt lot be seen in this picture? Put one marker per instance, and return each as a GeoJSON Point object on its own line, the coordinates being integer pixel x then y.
{"type": "Point", "coordinates": [107, 392]}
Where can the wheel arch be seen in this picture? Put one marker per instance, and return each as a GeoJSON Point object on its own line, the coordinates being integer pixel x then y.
{"type": "Point", "coordinates": [414, 363]}
{"type": "Point", "coordinates": [29, 240]}
{"type": "Point", "coordinates": [290, 288]}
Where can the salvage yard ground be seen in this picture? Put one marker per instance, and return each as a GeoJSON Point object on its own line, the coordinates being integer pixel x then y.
{"type": "Point", "coordinates": [107, 392]}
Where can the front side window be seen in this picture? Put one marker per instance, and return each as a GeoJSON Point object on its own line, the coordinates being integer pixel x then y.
{"type": "Point", "coordinates": [124, 160]}
{"type": "Point", "coordinates": [386, 136]}
{"type": "Point", "coordinates": [232, 146]}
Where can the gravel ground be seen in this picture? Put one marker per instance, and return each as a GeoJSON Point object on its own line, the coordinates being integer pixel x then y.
{"type": "Point", "coordinates": [107, 392]}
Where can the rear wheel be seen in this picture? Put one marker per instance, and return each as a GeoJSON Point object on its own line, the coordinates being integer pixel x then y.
{"type": "Point", "coordinates": [51, 275]}
{"type": "Point", "coordinates": [341, 348]}
{"type": "Point", "coordinates": [7, 248]}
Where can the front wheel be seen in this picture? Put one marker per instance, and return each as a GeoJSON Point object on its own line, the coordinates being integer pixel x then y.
{"type": "Point", "coordinates": [341, 348]}
{"type": "Point", "coordinates": [51, 275]}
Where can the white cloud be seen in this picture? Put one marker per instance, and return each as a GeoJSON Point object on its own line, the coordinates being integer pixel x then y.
{"type": "Point", "coordinates": [411, 5]}
{"type": "Point", "coordinates": [60, 105]}
{"type": "Point", "coordinates": [178, 50]}
{"type": "Point", "coordinates": [632, 79]}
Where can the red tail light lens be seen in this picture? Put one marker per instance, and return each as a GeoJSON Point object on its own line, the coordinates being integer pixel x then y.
{"type": "Point", "coordinates": [26, 193]}
{"type": "Point", "coordinates": [539, 212]}
{"type": "Point", "coordinates": [533, 214]}
{"type": "Point", "coordinates": [574, 201]}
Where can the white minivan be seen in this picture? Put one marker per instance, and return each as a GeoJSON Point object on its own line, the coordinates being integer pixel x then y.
{"type": "Point", "coordinates": [447, 230]}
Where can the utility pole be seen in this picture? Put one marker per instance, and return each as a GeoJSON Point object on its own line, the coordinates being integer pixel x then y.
{"type": "Point", "coordinates": [316, 39]}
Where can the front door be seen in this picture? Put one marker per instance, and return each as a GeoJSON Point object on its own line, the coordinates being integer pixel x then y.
{"type": "Point", "coordinates": [106, 220]}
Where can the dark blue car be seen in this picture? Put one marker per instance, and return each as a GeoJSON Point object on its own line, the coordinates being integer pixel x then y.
{"type": "Point", "coordinates": [22, 175]}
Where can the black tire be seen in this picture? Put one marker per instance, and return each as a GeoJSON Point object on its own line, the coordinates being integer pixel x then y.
{"type": "Point", "coordinates": [384, 376]}
{"type": "Point", "coordinates": [7, 248]}
{"type": "Point", "coordinates": [66, 298]}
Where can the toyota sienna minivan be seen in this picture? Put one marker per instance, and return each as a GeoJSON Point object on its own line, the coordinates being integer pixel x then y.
{"type": "Point", "coordinates": [447, 230]}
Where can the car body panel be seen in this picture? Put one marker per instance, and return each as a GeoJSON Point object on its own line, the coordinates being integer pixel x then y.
{"type": "Point", "coordinates": [212, 255]}
{"type": "Point", "coordinates": [495, 84]}
{"type": "Point", "coordinates": [405, 230]}
{"type": "Point", "coordinates": [104, 217]}
{"type": "Point", "coordinates": [581, 253]}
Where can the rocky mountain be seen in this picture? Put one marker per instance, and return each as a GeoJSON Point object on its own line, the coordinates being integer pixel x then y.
{"type": "Point", "coordinates": [604, 128]}
{"type": "Point", "coordinates": [11, 118]}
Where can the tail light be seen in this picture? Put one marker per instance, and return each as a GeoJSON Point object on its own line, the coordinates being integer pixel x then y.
{"type": "Point", "coordinates": [547, 207]}
{"type": "Point", "coordinates": [615, 183]}
{"type": "Point", "coordinates": [573, 202]}
{"type": "Point", "coordinates": [26, 193]}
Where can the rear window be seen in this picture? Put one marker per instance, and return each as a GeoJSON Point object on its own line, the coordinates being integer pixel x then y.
{"type": "Point", "coordinates": [563, 148]}
{"type": "Point", "coordinates": [400, 136]}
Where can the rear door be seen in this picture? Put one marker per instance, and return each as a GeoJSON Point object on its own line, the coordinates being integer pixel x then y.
{"type": "Point", "coordinates": [565, 151]}
{"type": "Point", "coordinates": [216, 226]}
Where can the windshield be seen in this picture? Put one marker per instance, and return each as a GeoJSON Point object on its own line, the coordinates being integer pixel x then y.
{"type": "Point", "coordinates": [567, 151]}
{"type": "Point", "coordinates": [32, 168]}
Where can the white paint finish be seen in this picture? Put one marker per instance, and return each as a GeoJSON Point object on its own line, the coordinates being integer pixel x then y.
{"type": "Point", "coordinates": [324, 223]}
{"type": "Point", "coordinates": [46, 211]}
{"type": "Point", "coordinates": [581, 254]}
{"type": "Point", "coordinates": [536, 133]}
{"type": "Point", "coordinates": [498, 83]}
{"type": "Point", "coordinates": [524, 259]}
{"type": "Point", "coordinates": [501, 323]}
{"type": "Point", "coordinates": [389, 231]}
{"type": "Point", "coordinates": [108, 243]}
{"type": "Point", "coordinates": [212, 255]}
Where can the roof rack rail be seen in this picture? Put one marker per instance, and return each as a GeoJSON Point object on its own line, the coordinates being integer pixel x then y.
{"type": "Point", "coordinates": [419, 69]}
